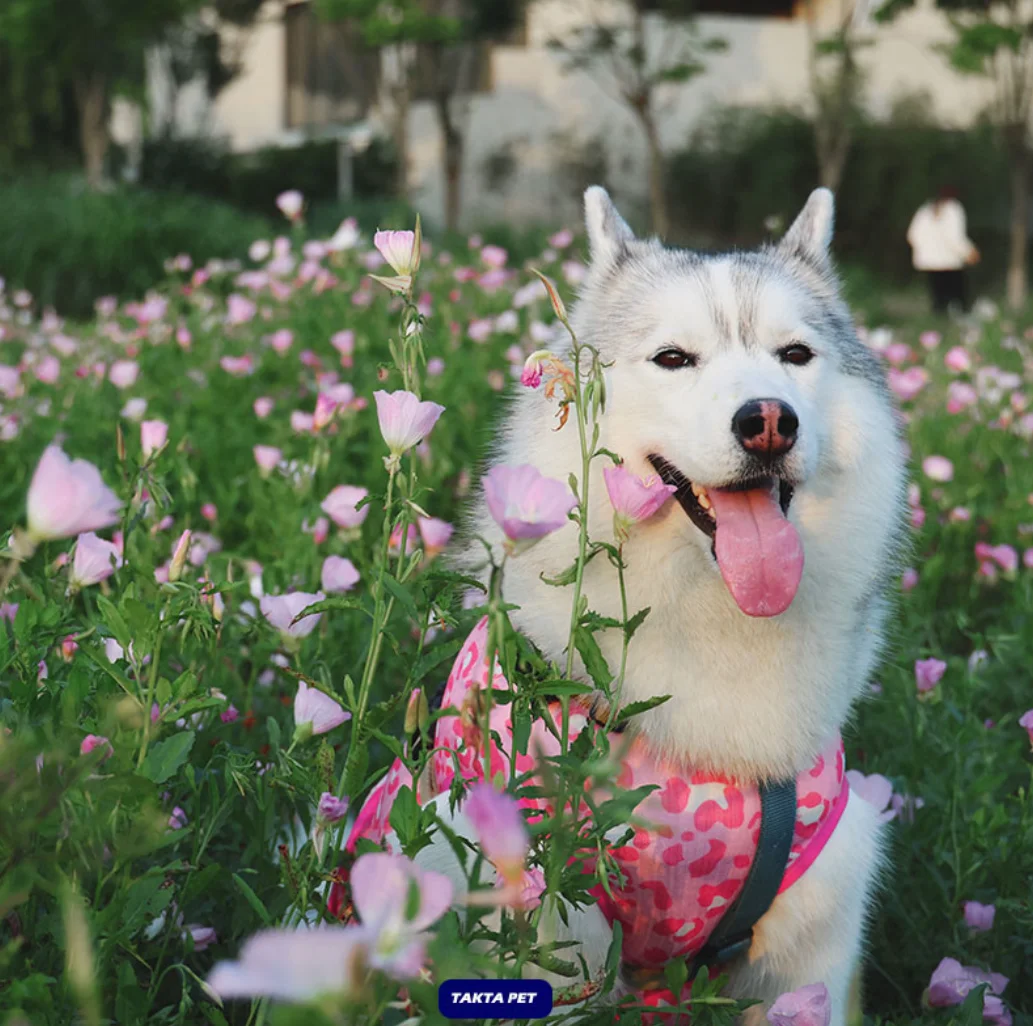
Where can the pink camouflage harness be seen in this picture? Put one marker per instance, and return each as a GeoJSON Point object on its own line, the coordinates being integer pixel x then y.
{"type": "Point", "coordinates": [682, 873]}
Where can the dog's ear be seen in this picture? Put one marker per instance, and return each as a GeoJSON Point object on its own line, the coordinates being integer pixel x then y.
{"type": "Point", "coordinates": [608, 233]}
{"type": "Point", "coordinates": [810, 234]}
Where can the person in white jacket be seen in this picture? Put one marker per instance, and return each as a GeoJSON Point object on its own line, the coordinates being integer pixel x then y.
{"type": "Point", "coordinates": [941, 248]}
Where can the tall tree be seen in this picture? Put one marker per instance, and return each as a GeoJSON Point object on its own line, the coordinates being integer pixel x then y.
{"type": "Point", "coordinates": [836, 81]}
{"type": "Point", "coordinates": [995, 41]}
{"type": "Point", "coordinates": [633, 50]}
{"type": "Point", "coordinates": [98, 46]}
{"type": "Point", "coordinates": [430, 49]}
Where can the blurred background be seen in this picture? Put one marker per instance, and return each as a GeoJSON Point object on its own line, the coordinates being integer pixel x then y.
{"type": "Point", "coordinates": [132, 131]}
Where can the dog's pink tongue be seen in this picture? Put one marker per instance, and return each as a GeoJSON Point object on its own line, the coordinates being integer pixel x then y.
{"type": "Point", "coordinates": [758, 550]}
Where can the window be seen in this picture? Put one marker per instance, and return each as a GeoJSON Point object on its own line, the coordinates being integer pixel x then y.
{"type": "Point", "coordinates": [740, 8]}
{"type": "Point", "coordinates": [331, 78]}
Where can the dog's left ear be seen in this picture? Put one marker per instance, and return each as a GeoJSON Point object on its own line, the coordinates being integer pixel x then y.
{"type": "Point", "coordinates": [810, 234]}
{"type": "Point", "coordinates": [608, 232]}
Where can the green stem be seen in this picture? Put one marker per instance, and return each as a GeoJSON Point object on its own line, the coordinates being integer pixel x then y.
{"type": "Point", "coordinates": [615, 699]}
{"type": "Point", "coordinates": [152, 683]}
{"type": "Point", "coordinates": [381, 613]}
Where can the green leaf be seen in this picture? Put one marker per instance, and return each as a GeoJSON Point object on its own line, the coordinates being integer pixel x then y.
{"type": "Point", "coordinates": [273, 730]}
{"type": "Point", "coordinates": [167, 756]}
{"type": "Point", "coordinates": [114, 621]}
{"type": "Point", "coordinates": [401, 593]}
{"type": "Point", "coordinates": [562, 579]}
{"type": "Point", "coordinates": [636, 621]}
{"type": "Point", "coordinates": [637, 708]}
{"type": "Point", "coordinates": [970, 1011]}
{"type": "Point", "coordinates": [591, 654]}
{"type": "Point", "coordinates": [676, 974]}
{"type": "Point", "coordinates": [330, 604]}
{"type": "Point", "coordinates": [253, 900]}
{"type": "Point", "coordinates": [184, 685]}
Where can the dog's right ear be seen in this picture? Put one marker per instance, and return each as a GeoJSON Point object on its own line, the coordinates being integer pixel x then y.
{"type": "Point", "coordinates": [608, 233]}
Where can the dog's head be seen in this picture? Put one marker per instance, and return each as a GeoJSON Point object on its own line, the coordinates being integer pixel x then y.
{"type": "Point", "coordinates": [737, 378]}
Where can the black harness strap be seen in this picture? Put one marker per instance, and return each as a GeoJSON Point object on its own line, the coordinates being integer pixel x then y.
{"type": "Point", "coordinates": [734, 933]}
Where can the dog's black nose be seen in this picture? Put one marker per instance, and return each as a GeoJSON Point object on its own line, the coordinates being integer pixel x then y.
{"type": "Point", "coordinates": [766, 427]}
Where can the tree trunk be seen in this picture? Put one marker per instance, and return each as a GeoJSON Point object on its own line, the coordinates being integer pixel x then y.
{"type": "Point", "coordinates": [657, 173]}
{"type": "Point", "coordinates": [1019, 157]}
{"type": "Point", "coordinates": [91, 98]}
{"type": "Point", "coordinates": [452, 144]}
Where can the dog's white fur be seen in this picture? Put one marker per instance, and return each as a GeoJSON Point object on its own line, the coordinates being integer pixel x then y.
{"type": "Point", "coordinates": [757, 698]}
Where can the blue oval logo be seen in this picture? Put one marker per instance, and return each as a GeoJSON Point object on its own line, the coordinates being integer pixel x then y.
{"type": "Point", "coordinates": [495, 999]}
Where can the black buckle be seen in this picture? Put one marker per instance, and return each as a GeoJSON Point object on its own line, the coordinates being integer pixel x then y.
{"type": "Point", "coordinates": [724, 952]}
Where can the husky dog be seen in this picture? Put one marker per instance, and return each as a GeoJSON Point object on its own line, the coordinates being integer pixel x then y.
{"type": "Point", "coordinates": [741, 379]}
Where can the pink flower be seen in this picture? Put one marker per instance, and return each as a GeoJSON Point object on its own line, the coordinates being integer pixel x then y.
{"type": "Point", "coordinates": [435, 367]}
{"type": "Point", "coordinates": [320, 530]}
{"type": "Point", "coordinates": [238, 366]}
{"type": "Point", "coordinates": [874, 789]}
{"type": "Point", "coordinates": [262, 406]}
{"type": "Point", "coordinates": [805, 1006]}
{"type": "Point", "coordinates": [1026, 721]}
{"type": "Point", "coordinates": [303, 423]}
{"type": "Point", "coordinates": [282, 340]}
{"type": "Point", "coordinates": [908, 579]}
{"type": "Point", "coordinates": [296, 965]}
{"type": "Point", "coordinates": [92, 741]}
{"type": "Point", "coordinates": [959, 515]}
{"type": "Point", "coordinates": [905, 806]}
{"type": "Point", "coordinates": [397, 901]}
{"type": "Point", "coordinates": [153, 435]}
{"type": "Point", "coordinates": [123, 373]}
{"type": "Point", "coordinates": [239, 309]}
{"type": "Point", "coordinates": [326, 408]}
{"type": "Point", "coordinates": [48, 370]}
{"type": "Point", "coordinates": [435, 533]}
{"type": "Point", "coordinates": [480, 330]}
{"type": "Point", "coordinates": [928, 673]}
{"type": "Point", "coordinates": [938, 468]}
{"type": "Point", "coordinates": [398, 248]}
{"type": "Point", "coordinates": [930, 339]}
{"type": "Point", "coordinates": [951, 981]}
{"type": "Point", "coordinates": [344, 343]}
{"type": "Point", "coordinates": [395, 541]}
{"type": "Point", "coordinates": [633, 499]}
{"type": "Point", "coordinates": [494, 256]}
{"type": "Point", "coordinates": [957, 359]}
{"type": "Point", "coordinates": [280, 611]}
{"type": "Point", "coordinates": [291, 202]}
{"type": "Point", "coordinates": [897, 353]}
{"type": "Point", "coordinates": [331, 809]}
{"type": "Point", "coordinates": [339, 574]}
{"type": "Point", "coordinates": [95, 560]}
{"type": "Point", "coordinates": [230, 714]}
{"type": "Point", "coordinates": [267, 457]}
{"type": "Point", "coordinates": [531, 375]}
{"type": "Point", "coordinates": [202, 936]}
{"type": "Point", "coordinates": [525, 504]}
{"type": "Point", "coordinates": [405, 420]}
{"type": "Point", "coordinates": [907, 384]}
{"type": "Point", "coordinates": [562, 239]}
{"type": "Point", "coordinates": [178, 820]}
{"type": "Point", "coordinates": [68, 497]}
{"type": "Point", "coordinates": [500, 828]}
{"type": "Point", "coordinates": [315, 712]}
{"type": "Point", "coordinates": [209, 511]}
{"type": "Point", "coordinates": [979, 917]}
{"type": "Point", "coordinates": [10, 382]}
{"type": "Point", "coordinates": [340, 506]}
{"type": "Point", "coordinates": [960, 396]}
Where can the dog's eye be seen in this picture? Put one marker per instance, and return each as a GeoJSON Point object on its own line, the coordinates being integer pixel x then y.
{"type": "Point", "coordinates": [797, 354]}
{"type": "Point", "coordinates": [675, 359]}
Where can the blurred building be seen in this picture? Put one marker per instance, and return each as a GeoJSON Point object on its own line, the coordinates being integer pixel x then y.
{"type": "Point", "coordinates": [534, 132]}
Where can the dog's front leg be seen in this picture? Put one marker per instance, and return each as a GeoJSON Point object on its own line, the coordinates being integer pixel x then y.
{"type": "Point", "coordinates": [814, 932]}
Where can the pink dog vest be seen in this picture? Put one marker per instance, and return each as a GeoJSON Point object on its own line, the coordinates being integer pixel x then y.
{"type": "Point", "coordinates": [684, 869]}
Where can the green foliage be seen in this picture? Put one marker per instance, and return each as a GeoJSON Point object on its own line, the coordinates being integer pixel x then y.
{"type": "Point", "coordinates": [743, 167]}
{"type": "Point", "coordinates": [69, 247]}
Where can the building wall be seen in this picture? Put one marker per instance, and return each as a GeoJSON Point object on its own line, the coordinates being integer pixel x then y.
{"type": "Point", "coordinates": [526, 136]}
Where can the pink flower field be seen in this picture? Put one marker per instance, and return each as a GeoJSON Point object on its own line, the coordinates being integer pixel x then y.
{"type": "Point", "coordinates": [225, 598]}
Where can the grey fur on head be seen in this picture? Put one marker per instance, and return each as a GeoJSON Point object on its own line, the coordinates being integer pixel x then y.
{"type": "Point", "coordinates": [810, 235]}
